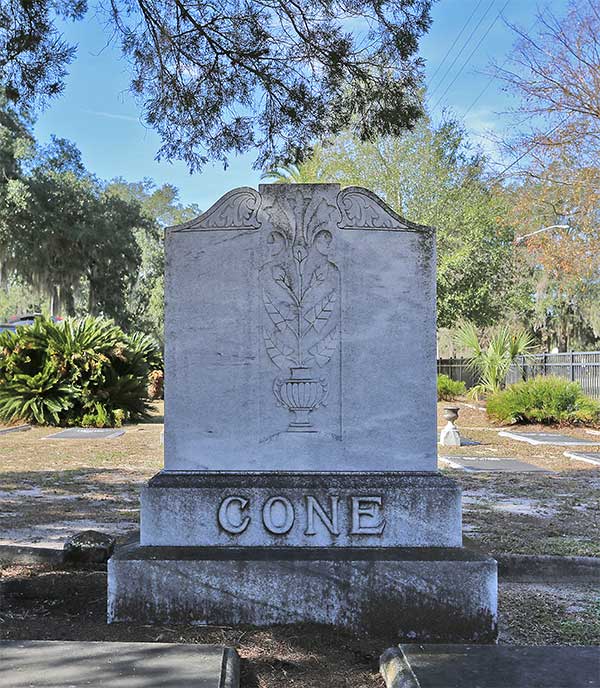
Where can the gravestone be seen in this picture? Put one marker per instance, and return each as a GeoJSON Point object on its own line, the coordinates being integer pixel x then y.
{"type": "Point", "coordinates": [86, 434]}
{"type": "Point", "coordinates": [554, 438]}
{"type": "Point", "coordinates": [300, 480]}
{"type": "Point", "coordinates": [97, 664]}
{"type": "Point", "coordinates": [489, 463]}
{"type": "Point", "coordinates": [586, 457]}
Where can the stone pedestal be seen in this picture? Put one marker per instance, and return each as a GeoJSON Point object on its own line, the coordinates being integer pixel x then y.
{"type": "Point", "coordinates": [414, 593]}
{"type": "Point", "coordinates": [300, 480]}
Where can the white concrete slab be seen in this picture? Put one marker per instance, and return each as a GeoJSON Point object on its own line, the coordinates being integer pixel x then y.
{"type": "Point", "coordinates": [586, 457]}
{"type": "Point", "coordinates": [474, 464]}
{"type": "Point", "coordinates": [552, 438]}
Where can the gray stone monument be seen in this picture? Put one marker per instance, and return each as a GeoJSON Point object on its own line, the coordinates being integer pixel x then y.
{"type": "Point", "coordinates": [300, 480]}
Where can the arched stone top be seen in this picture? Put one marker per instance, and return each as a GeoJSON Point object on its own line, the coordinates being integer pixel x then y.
{"type": "Point", "coordinates": [236, 210]}
{"type": "Point", "coordinates": [359, 209]}
{"type": "Point", "coordinates": [362, 209]}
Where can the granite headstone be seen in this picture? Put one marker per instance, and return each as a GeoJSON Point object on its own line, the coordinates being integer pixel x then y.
{"type": "Point", "coordinates": [300, 479]}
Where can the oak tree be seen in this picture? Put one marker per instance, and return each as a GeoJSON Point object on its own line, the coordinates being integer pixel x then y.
{"type": "Point", "coordinates": [224, 77]}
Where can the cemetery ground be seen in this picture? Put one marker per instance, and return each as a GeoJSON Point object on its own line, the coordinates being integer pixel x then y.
{"type": "Point", "coordinates": [50, 489]}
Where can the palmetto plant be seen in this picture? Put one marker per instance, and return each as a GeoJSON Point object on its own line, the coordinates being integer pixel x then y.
{"type": "Point", "coordinates": [492, 361]}
{"type": "Point", "coordinates": [75, 372]}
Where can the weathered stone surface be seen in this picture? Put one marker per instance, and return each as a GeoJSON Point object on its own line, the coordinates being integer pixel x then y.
{"type": "Point", "coordinates": [417, 593]}
{"type": "Point", "coordinates": [89, 547]}
{"type": "Point", "coordinates": [300, 428]}
{"type": "Point", "coordinates": [498, 666]}
{"type": "Point", "coordinates": [300, 335]}
{"type": "Point", "coordinates": [450, 437]}
{"type": "Point", "coordinates": [56, 664]}
{"type": "Point", "coordinates": [301, 510]}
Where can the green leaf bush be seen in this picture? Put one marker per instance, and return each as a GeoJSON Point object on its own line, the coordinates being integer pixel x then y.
{"type": "Point", "coordinates": [448, 389]}
{"type": "Point", "coordinates": [84, 372]}
{"type": "Point", "coordinates": [543, 399]}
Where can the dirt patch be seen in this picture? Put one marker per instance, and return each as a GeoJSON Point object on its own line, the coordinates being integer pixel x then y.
{"type": "Point", "coordinates": [526, 513]}
{"type": "Point", "coordinates": [50, 490]}
{"type": "Point", "coordinates": [532, 513]}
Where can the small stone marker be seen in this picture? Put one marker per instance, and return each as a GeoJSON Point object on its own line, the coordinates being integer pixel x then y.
{"type": "Point", "coordinates": [86, 434]}
{"type": "Point", "coordinates": [89, 547]}
{"type": "Point", "coordinates": [492, 666]}
{"type": "Point", "coordinates": [450, 437]}
{"type": "Point", "coordinates": [300, 480]}
{"type": "Point", "coordinates": [56, 664]}
{"type": "Point", "coordinates": [485, 463]}
{"type": "Point", "coordinates": [15, 428]}
{"type": "Point", "coordinates": [587, 457]}
{"type": "Point", "coordinates": [548, 438]}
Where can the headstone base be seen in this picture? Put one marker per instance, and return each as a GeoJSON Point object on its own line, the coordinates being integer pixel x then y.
{"type": "Point", "coordinates": [286, 509]}
{"type": "Point", "coordinates": [419, 594]}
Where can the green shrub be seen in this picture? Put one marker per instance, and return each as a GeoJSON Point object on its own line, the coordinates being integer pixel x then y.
{"type": "Point", "coordinates": [543, 400]}
{"type": "Point", "coordinates": [448, 389]}
{"type": "Point", "coordinates": [75, 372]}
{"type": "Point", "coordinates": [492, 362]}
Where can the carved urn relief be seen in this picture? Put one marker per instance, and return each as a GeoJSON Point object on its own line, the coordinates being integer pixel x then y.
{"type": "Point", "coordinates": [301, 394]}
{"type": "Point", "coordinates": [300, 287]}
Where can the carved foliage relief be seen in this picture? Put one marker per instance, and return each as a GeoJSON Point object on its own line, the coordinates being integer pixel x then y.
{"type": "Point", "coordinates": [301, 295]}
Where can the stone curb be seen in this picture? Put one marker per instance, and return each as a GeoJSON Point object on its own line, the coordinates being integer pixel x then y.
{"type": "Point", "coordinates": [541, 568]}
{"type": "Point", "coordinates": [17, 554]}
{"type": "Point", "coordinates": [15, 428]}
{"type": "Point", "coordinates": [230, 669]}
{"type": "Point", "coordinates": [396, 671]}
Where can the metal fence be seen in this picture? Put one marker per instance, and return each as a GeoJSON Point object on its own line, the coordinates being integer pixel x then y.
{"type": "Point", "coordinates": [577, 366]}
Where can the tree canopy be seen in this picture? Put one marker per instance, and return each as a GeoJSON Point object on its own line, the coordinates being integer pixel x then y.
{"type": "Point", "coordinates": [87, 246]}
{"type": "Point", "coordinates": [225, 77]}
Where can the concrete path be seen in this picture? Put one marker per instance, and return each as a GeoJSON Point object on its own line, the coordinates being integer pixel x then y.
{"type": "Point", "coordinates": [491, 666]}
{"type": "Point", "coordinates": [116, 665]}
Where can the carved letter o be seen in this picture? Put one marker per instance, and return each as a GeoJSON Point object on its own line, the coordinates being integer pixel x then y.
{"type": "Point", "coordinates": [288, 521]}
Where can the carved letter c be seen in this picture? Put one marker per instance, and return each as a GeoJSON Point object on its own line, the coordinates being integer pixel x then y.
{"type": "Point", "coordinates": [226, 523]}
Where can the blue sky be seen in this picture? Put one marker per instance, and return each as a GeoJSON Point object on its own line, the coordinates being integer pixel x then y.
{"type": "Point", "coordinates": [97, 112]}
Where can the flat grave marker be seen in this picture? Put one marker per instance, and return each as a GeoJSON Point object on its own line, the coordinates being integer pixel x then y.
{"type": "Point", "coordinates": [552, 438]}
{"type": "Point", "coordinates": [55, 664]}
{"type": "Point", "coordinates": [86, 434]}
{"type": "Point", "coordinates": [474, 464]}
{"type": "Point", "coordinates": [587, 457]}
{"type": "Point", "coordinates": [15, 428]}
{"type": "Point", "coordinates": [503, 666]}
